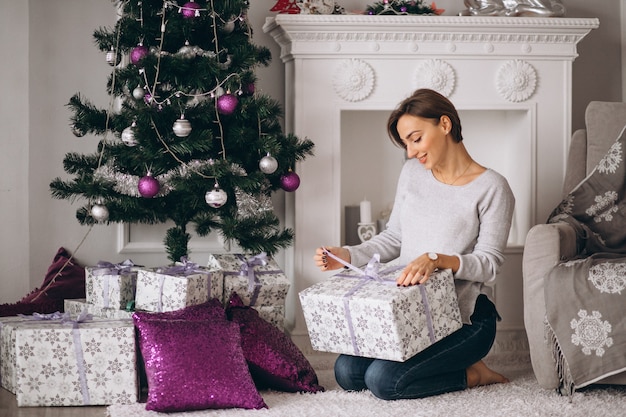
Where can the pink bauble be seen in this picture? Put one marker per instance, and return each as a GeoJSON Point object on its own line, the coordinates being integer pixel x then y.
{"type": "Point", "coordinates": [290, 181]}
{"type": "Point", "coordinates": [189, 10]}
{"type": "Point", "coordinates": [138, 53]}
{"type": "Point", "coordinates": [227, 104]}
{"type": "Point", "coordinates": [148, 186]}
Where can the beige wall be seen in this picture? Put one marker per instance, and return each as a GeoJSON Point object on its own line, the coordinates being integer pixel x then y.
{"type": "Point", "coordinates": [48, 55]}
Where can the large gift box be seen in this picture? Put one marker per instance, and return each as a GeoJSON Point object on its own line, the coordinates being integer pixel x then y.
{"type": "Point", "coordinates": [176, 287]}
{"type": "Point", "coordinates": [75, 307]}
{"type": "Point", "coordinates": [257, 280]}
{"type": "Point", "coordinates": [364, 313]}
{"type": "Point", "coordinates": [109, 285]}
{"type": "Point", "coordinates": [49, 360]}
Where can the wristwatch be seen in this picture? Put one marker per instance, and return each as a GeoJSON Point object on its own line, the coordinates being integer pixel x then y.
{"type": "Point", "coordinates": [433, 256]}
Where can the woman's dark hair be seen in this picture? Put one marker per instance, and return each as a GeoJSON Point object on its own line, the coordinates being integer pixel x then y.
{"type": "Point", "coordinates": [427, 104]}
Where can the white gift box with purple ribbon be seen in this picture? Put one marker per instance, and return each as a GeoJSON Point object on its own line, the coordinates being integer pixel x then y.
{"type": "Point", "coordinates": [52, 360]}
{"type": "Point", "coordinates": [257, 280]}
{"type": "Point", "coordinates": [74, 307]}
{"type": "Point", "coordinates": [175, 287]}
{"type": "Point", "coordinates": [362, 312]}
{"type": "Point", "coordinates": [109, 285]}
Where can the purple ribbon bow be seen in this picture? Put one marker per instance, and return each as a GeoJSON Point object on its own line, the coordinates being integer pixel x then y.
{"type": "Point", "coordinates": [184, 267]}
{"type": "Point", "coordinates": [108, 268]}
{"type": "Point", "coordinates": [247, 268]}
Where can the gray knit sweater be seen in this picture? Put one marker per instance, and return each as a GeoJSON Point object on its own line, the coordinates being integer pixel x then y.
{"type": "Point", "coordinates": [470, 221]}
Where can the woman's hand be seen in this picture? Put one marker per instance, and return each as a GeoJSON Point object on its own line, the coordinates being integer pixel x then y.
{"type": "Point", "coordinates": [417, 271]}
{"type": "Point", "coordinates": [325, 262]}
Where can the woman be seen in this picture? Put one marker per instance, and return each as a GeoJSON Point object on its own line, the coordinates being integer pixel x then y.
{"type": "Point", "coordinates": [449, 213]}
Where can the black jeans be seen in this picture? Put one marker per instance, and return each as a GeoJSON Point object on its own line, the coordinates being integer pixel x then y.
{"type": "Point", "coordinates": [436, 370]}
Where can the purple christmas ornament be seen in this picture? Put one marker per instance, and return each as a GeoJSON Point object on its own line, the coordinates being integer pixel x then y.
{"type": "Point", "coordinates": [227, 104]}
{"type": "Point", "coordinates": [148, 186]}
{"type": "Point", "coordinates": [138, 53]}
{"type": "Point", "coordinates": [290, 181]}
{"type": "Point", "coordinates": [190, 10]}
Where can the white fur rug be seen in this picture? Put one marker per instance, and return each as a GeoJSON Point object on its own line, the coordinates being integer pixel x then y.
{"type": "Point", "coordinates": [521, 397]}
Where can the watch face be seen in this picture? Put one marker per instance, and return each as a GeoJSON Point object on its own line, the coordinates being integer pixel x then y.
{"type": "Point", "coordinates": [433, 256]}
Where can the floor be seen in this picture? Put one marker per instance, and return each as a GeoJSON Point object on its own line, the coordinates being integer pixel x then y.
{"type": "Point", "coordinates": [9, 408]}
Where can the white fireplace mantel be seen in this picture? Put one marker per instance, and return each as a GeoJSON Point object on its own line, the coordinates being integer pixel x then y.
{"type": "Point", "coordinates": [509, 77]}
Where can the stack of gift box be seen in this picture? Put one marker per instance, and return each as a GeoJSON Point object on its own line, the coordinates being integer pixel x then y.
{"type": "Point", "coordinates": [75, 359]}
{"type": "Point", "coordinates": [88, 356]}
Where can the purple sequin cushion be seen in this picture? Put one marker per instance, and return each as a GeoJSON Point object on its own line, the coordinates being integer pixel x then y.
{"type": "Point", "coordinates": [274, 360]}
{"type": "Point", "coordinates": [195, 365]}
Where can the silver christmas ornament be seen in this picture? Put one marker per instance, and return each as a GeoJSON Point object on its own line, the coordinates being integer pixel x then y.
{"type": "Point", "coordinates": [111, 57]}
{"type": "Point", "coordinates": [139, 93]}
{"type": "Point", "coordinates": [100, 212]}
{"type": "Point", "coordinates": [216, 197]}
{"type": "Point", "coordinates": [228, 27]}
{"type": "Point", "coordinates": [268, 164]}
{"type": "Point", "coordinates": [187, 51]}
{"type": "Point", "coordinates": [182, 127]}
{"type": "Point", "coordinates": [128, 135]}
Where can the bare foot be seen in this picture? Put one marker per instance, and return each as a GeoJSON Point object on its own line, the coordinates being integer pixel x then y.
{"type": "Point", "coordinates": [479, 374]}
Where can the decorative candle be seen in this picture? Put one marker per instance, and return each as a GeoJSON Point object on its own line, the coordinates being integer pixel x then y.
{"type": "Point", "coordinates": [366, 211]}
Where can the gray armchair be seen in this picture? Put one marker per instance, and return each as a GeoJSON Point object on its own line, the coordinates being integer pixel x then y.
{"type": "Point", "coordinates": [547, 244]}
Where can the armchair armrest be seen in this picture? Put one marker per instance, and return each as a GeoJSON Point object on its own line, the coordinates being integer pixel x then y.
{"type": "Point", "coordinates": [546, 245]}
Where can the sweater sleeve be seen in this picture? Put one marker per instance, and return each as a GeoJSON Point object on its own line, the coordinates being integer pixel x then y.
{"type": "Point", "coordinates": [495, 212]}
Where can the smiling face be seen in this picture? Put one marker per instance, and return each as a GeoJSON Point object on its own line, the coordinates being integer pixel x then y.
{"type": "Point", "coordinates": [424, 139]}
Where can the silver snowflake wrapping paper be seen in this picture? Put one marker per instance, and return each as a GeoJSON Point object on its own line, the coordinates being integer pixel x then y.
{"type": "Point", "coordinates": [76, 306]}
{"type": "Point", "coordinates": [167, 289]}
{"type": "Point", "coordinates": [360, 316]}
{"type": "Point", "coordinates": [273, 314]}
{"type": "Point", "coordinates": [55, 363]}
{"type": "Point", "coordinates": [110, 287]}
{"type": "Point", "coordinates": [257, 280]}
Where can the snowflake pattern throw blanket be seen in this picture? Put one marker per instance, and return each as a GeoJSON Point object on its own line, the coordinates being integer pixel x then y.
{"type": "Point", "coordinates": [586, 297]}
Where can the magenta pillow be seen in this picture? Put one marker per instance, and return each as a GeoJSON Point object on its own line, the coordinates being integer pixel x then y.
{"type": "Point", "coordinates": [195, 365]}
{"type": "Point", "coordinates": [274, 360]}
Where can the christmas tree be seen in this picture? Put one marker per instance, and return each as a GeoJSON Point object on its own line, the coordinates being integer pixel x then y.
{"type": "Point", "coordinates": [186, 137]}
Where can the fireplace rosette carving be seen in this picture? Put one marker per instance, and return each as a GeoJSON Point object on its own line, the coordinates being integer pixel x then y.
{"type": "Point", "coordinates": [516, 80]}
{"type": "Point", "coordinates": [353, 80]}
{"type": "Point", "coordinates": [437, 75]}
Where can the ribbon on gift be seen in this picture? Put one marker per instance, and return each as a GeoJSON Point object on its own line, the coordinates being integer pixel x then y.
{"type": "Point", "coordinates": [78, 352]}
{"type": "Point", "coordinates": [108, 269]}
{"type": "Point", "coordinates": [49, 316]}
{"type": "Point", "coordinates": [247, 269]}
{"type": "Point", "coordinates": [184, 267]}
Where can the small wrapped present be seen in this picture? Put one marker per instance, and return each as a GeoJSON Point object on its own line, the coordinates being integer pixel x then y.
{"type": "Point", "coordinates": [364, 313]}
{"type": "Point", "coordinates": [176, 287]}
{"type": "Point", "coordinates": [74, 307]}
{"type": "Point", "coordinates": [52, 360]}
{"type": "Point", "coordinates": [257, 280]}
{"type": "Point", "coordinates": [111, 285]}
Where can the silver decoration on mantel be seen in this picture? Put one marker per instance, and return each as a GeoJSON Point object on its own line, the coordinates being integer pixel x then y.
{"type": "Point", "coordinates": [127, 184]}
{"type": "Point", "coordinates": [526, 8]}
{"type": "Point", "coordinates": [516, 80]}
{"type": "Point", "coordinates": [437, 75]}
{"type": "Point", "coordinates": [316, 6]}
{"type": "Point", "coordinates": [353, 80]}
